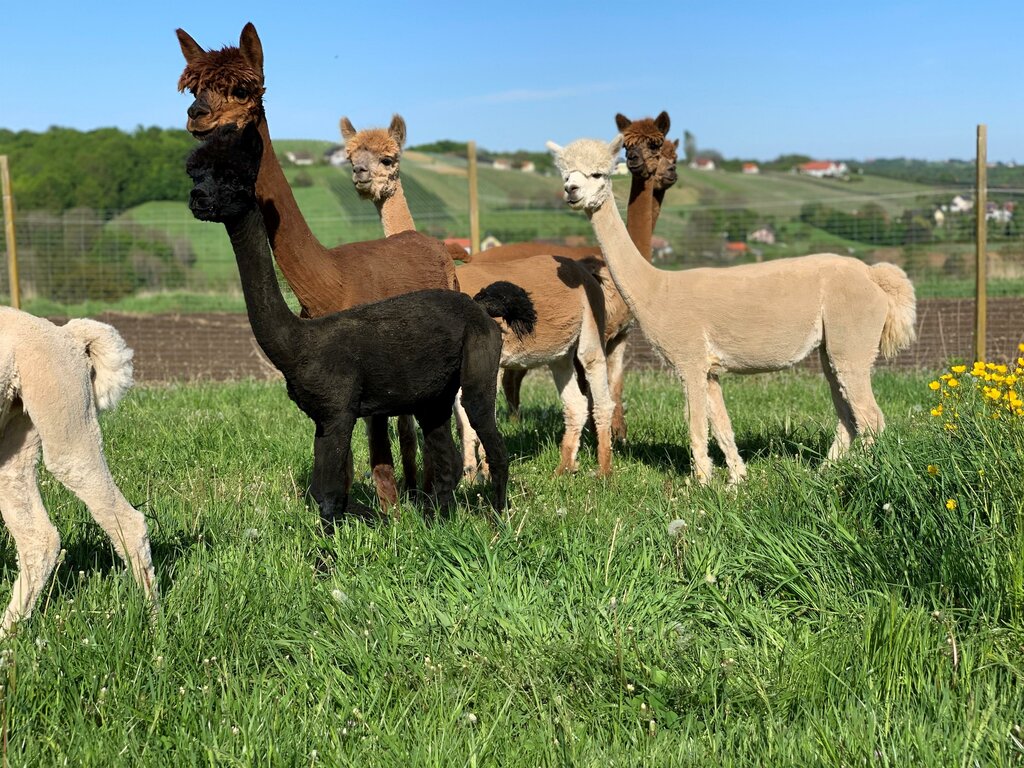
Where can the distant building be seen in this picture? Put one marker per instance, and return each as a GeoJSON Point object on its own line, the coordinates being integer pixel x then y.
{"type": "Point", "coordinates": [703, 164]}
{"type": "Point", "coordinates": [621, 169]}
{"type": "Point", "coordinates": [502, 164]}
{"type": "Point", "coordinates": [336, 156]}
{"type": "Point", "coordinates": [751, 168]}
{"type": "Point", "coordinates": [821, 169]}
{"type": "Point", "coordinates": [660, 248]}
{"type": "Point", "coordinates": [734, 250]}
{"type": "Point", "coordinates": [489, 242]}
{"type": "Point", "coordinates": [299, 158]}
{"type": "Point", "coordinates": [764, 235]}
{"type": "Point", "coordinates": [528, 166]}
{"type": "Point", "coordinates": [939, 217]}
{"type": "Point", "coordinates": [961, 204]}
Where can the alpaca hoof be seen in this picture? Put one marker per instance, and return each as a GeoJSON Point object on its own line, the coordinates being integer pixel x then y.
{"type": "Point", "coordinates": [566, 469]}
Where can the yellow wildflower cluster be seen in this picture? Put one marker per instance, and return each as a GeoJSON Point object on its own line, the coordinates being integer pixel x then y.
{"type": "Point", "coordinates": [999, 385]}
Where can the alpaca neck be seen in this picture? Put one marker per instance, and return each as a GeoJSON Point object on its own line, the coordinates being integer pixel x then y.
{"type": "Point", "coordinates": [656, 202]}
{"type": "Point", "coordinates": [640, 214]}
{"type": "Point", "coordinates": [273, 323]}
{"type": "Point", "coordinates": [634, 276]}
{"type": "Point", "coordinates": [394, 213]}
{"type": "Point", "coordinates": [303, 260]}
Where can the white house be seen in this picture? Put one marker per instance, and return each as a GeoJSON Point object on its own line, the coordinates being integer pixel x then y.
{"type": "Point", "coordinates": [528, 166]}
{"type": "Point", "coordinates": [703, 164]}
{"type": "Point", "coordinates": [765, 235]}
{"type": "Point", "coordinates": [751, 168]}
{"type": "Point", "coordinates": [621, 169]}
{"type": "Point", "coordinates": [299, 158]}
{"type": "Point", "coordinates": [336, 156]}
{"type": "Point", "coordinates": [961, 204]}
{"type": "Point", "coordinates": [821, 169]}
{"type": "Point", "coordinates": [502, 164]}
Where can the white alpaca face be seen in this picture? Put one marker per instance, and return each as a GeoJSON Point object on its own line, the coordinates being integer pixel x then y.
{"type": "Point", "coordinates": [586, 166]}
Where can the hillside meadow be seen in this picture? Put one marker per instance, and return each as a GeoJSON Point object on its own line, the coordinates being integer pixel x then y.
{"type": "Point", "coordinates": [863, 613]}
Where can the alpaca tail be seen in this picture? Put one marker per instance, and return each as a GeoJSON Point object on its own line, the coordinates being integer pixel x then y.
{"type": "Point", "coordinates": [899, 331]}
{"type": "Point", "coordinates": [109, 356]}
{"type": "Point", "coordinates": [458, 253]}
{"type": "Point", "coordinates": [511, 303]}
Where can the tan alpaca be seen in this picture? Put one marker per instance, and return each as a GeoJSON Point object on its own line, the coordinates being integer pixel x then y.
{"type": "Point", "coordinates": [53, 380]}
{"type": "Point", "coordinates": [568, 301]}
{"type": "Point", "coordinates": [651, 160]}
{"type": "Point", "coordinates": [750, 318]}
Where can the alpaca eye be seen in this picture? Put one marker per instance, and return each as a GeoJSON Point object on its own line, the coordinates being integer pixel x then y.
{"type": "Point", "coordinates": [240, 93]}
{"type": "Point", "coordinates": [655, 144]}
{"type": "Point", "coordinates": [597, 175]}
{"type": "Point", "coordinates": [387, 162]}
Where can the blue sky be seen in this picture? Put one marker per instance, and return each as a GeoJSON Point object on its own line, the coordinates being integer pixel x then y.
{"type": "Point", "coordinates": [750, 79]}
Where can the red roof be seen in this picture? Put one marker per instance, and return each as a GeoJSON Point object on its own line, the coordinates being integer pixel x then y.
{"type": "Point", "coordinates": [738, 247]}
{"type": "Point", "coordinates": [818, 165]}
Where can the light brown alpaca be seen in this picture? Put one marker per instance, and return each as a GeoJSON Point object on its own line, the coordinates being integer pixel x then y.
{"type": "Point", "coordinates": [228, 89]}
{"type": "Point", "coordinates": [651, 160]}
{"type": "Point", "coordinates": [53, 381]}
{"type": "Point", "coordinates": [750, 318]}
{"type": "Point", "coordinates": [568, 301]}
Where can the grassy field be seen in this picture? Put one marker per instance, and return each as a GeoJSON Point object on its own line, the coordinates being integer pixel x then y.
{"type": "Point", "coordinates": [816, 616]}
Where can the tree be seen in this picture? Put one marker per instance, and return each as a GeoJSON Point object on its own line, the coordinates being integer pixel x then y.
{"type": "Point", "coordinates": [689, 146]}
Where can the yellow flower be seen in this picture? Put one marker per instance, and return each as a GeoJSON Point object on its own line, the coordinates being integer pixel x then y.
{"type": "Point", "coordinates": [933, 470]}
{"type": "Point", "coordinates": [953, 383]}
{"type": "Point", "coordinates": [950, 427]}
{"type": "Point", "coordinates": [958, 368]}
{"type": "Point", "coordinates": [934, 385]}
{"type": "Point", "coordinates": [1020, 347]}
{"type": "Point", "coordinates": [937, 410]}
{"type": "Point", "coordinates": [950, 504]}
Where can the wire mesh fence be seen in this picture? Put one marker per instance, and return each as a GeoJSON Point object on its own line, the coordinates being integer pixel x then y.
{"type": "Point", "coordinates": [718, 219]}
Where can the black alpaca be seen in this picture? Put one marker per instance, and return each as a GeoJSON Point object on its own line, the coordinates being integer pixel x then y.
{"type": "Point", "coordinates": [405, 355]}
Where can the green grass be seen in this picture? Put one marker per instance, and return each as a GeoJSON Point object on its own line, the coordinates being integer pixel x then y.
{"type": "Point", "coordinates": [837, 616]}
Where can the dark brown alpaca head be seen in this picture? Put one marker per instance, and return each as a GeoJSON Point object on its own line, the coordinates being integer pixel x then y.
{"type": "Point", "coordinates": [227, 84]}
{"type": "Point", "coordinates": [666, 175]}
{"type": "Point", "coordinates": [223, 170]}
{"type": "Point", "coordinates": [643, 140]}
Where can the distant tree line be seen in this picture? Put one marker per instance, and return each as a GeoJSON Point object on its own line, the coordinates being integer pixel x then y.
{"type": "Point", "coordinates": [541, 160]}
{"type": "Point", "coordinates": [105, 169]}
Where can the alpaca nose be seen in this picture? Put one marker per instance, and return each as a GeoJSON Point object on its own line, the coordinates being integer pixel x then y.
{"type": "Point", "coordinates": [571, 190]}
{"type": "Point", "coordinates": [197, 196]}
{"type": "Point", "coordinates": [199, 108]}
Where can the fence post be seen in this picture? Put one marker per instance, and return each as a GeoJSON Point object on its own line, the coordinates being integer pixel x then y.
{"type": "Point", "coordinates": [474, 207]}
{"type": "Point", "coordinates": [12, 246]}
{"type": "Point", "coordinates": [980, 236]}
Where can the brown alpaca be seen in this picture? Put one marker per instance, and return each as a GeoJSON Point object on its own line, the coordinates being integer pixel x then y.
{"type": "Point", "coordinates": [228, 89]}
{"type": "Point", "coordinates": [750, 318]}
{"type": "Point", "coordinates": [651, 160]}
{"type": "Point", "coordinates": [568, 301]}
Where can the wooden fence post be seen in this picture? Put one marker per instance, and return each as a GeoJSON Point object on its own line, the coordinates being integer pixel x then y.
{"type": "Point", "coordinates": [12, 246]}
{"type": "Point", "coordinates": [474, 204]}
{"type": "Point", "coordinates": [980, 236]}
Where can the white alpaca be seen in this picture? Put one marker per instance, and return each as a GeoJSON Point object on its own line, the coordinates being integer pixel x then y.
{"type": "Point", "coordinates": [53, 380]}
{"type": "Point", "coordinates": [750, 318]}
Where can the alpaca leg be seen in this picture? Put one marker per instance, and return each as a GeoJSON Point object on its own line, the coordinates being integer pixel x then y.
{"type": "Point", "coordinates": [479, 393]}
{"type": "Point", "coordinates": [695, 382]}
{"type": "Point", "coordinates": [73, 452]}
{"type": "Point", "coordinates": [590, 355]}
{"type": "Point", "coordinates": [511, 385]}
{"type": "Point", "coordinates": [721, 428]}
{"type": "Point", "coordinates": [35, 537]}
{"type": "Point", "coordinates": [382, 463]}
{"type": "Point", "coordinates": [574, 410]}
{"type": "Point", "coordinates": [444, 459]}
{"type": "Point", "coordinates": [474, 460]}
{"type": "Point", "coordinates": [847, 426]}
{"type": "Point", "coordinates": [332, 463]}
{"type": "Point", "coordinates": [407, 442]}
{"type": "Point", "coordinates": [615, 354]}
{"type": "Point", "coordinates": [855, 386]}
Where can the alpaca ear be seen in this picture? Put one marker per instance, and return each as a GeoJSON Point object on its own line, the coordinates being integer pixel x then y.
{"type": "Point", "coordinates": [615, 145]}
{"type": "Point", "coordinates": [676, 142]}
{"type": "Point", "coordinates": [663, 122]}
{"type": "Point", "coordinates": [251, 47]}
{"type": "Point", "coordinates": [622, 122]}
{"type": "Point", "coordinates": [190, 49]}
{"type": "Point", "coordinates": [553, 147]}
{"type": "Point", "coordinates": [397, 130]}
{"type": "Point", "coordinates": [347, 129]}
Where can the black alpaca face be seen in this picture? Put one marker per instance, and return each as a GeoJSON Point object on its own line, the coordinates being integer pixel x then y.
{"type": "Point", "coordinates": [223, 170]}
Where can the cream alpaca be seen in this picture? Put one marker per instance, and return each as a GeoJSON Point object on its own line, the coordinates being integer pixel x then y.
{"type": "Point", "coordinates": [53, 380]}
{"type": "Point", "coordinates": [569, 302]}
{"type": "Point", "coordinates": [750, 318]}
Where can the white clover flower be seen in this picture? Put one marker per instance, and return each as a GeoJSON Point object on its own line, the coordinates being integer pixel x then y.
{"type": "Point", "coordinates": [339, 596]}
{"type": "Point", "coordinates": [677, 528]}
